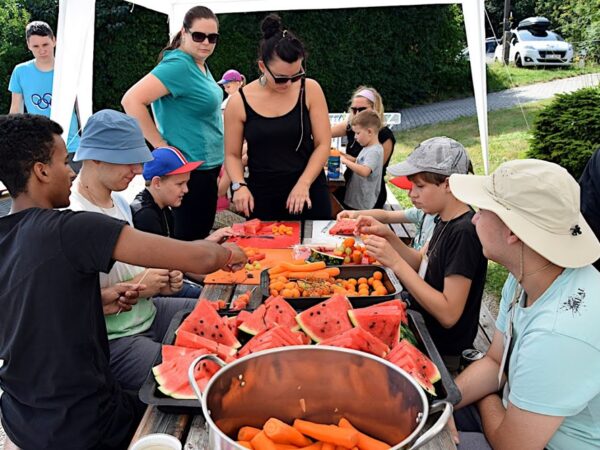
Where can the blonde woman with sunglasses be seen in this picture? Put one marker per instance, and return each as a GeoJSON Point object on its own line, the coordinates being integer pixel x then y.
{"type": "Point", "coordinates": [283, 117]}
{"type": "Point", "coordinates": [186, 102]}
{"type": "Point", "coordinates": [365, 98]}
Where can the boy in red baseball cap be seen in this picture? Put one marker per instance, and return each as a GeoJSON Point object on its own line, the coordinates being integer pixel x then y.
{"type": "Point", "coordinates": [166, 183]}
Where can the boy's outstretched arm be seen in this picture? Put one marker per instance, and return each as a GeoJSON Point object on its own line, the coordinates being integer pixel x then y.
{"type": "Point", "coordinates": [151, 250]}
{"type": "Point", "coordinates": [359, 169]}
{"type": "Point", "coordinates": [381, 215]}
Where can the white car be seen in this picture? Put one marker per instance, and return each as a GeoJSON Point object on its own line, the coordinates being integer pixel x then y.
{"type": "Point", "coordinates": [532, 44]}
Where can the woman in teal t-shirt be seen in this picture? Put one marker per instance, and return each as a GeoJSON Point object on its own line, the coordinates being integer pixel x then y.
{"type": "Point", "coordinates": [186, 102]}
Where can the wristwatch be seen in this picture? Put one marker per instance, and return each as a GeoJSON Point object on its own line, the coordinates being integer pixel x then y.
{"type": "Point", "coordinates": [236, 186]}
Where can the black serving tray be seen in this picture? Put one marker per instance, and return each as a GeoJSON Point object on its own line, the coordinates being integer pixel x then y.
{"type": "Point", "coordinates": [389, 280]}
{"type": "Point", "coordinates": [149, 393]}
{"type": "Point", "coordinates": [445, 388]}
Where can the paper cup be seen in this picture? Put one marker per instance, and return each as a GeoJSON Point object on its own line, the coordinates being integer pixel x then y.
{"type": "Point", "coordinates": [157, 441]}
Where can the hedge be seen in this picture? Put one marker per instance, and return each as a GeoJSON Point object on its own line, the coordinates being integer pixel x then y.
{"type": "Point", "coordinates": [567, 131]}
{"type": "Point", "coordinates": [410, 54]}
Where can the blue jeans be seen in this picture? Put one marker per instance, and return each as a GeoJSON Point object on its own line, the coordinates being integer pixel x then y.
{"type": "Point", "coordinates": [470, 429]}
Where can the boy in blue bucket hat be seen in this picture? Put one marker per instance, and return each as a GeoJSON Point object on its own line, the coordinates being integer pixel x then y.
{"type": "Point", "coordinates": [112, 150]}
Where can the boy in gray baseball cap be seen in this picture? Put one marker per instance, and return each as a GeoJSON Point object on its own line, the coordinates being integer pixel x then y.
{"type": "Point", "coordinates": [444, 280]}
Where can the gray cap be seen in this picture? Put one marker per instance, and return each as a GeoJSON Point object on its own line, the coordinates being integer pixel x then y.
{"type": "Point", "coordinates": [113, 137]}
{"type": "Point", "coordinates": [440, 155]}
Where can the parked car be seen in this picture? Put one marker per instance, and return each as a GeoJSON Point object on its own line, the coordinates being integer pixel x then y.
{"type": "Point", "coordinates": [490, 45]}
{"type": "Point", "coordinates": [533, 44]}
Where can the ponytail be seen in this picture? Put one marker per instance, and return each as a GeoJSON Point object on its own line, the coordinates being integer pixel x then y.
{"type": "Point", "coordinates": [175, 43]}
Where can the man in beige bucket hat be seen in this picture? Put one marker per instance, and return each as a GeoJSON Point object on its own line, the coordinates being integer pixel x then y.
{"type": "Point", "coordinates": [546, 349]}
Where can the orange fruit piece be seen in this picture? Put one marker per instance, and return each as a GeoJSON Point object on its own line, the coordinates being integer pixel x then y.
{"type": "Point", "coordinates": [378, 275]}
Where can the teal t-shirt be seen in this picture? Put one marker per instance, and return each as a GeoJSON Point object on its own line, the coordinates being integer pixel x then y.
{"type": "Point", "coordinates": [36, 88]}
{"type": "Point", "coordinates": [555, 363]}
{"type": "Point", "coordinates": [425, 224]}
{"type": "Point", "coordinates": [189, 117]}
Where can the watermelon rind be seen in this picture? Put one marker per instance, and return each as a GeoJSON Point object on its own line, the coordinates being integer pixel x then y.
{"type": "Point", "coordinates": [329, 260]}
{"type": "Point", "coordinates": [255, 323]}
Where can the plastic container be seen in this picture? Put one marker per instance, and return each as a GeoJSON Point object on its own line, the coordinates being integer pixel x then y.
{"type": "Point", "coordinates": [333, 164]}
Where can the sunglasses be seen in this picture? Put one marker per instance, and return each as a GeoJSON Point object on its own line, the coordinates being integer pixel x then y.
{"type": "Point", "coordinates": [199, 36]}
{"type": "Point", "coordinates": [283, 80]}
{"type": "Point", "coordinates": [356, 110]}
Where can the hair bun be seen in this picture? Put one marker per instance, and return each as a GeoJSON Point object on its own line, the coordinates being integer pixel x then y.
{"type": "Point", "coordinates": [270, 25]}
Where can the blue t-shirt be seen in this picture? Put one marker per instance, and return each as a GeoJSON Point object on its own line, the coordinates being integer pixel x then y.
{"type": "Point", "coordinates": [36, 88]}
{"type": "Point", "coordinates": [189, 117]}
{"type": "Point", "coordinates": [555, 363]}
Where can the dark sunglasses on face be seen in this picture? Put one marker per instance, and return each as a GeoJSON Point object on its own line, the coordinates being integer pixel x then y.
{"type": "Point", "coordinates": [356, 110]}
{"type": "Point", "coordinates": [283, 80]}
{"type": "Point", "coordinates": [199, 36]}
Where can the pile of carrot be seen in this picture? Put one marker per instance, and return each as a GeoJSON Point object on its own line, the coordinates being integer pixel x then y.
{"type": "Point", "coordinates": [304, 435]}
{"type": "Point", "coordinates": [303, 271]}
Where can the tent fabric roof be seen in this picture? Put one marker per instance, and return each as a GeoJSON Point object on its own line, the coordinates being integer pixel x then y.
{"type": "Point", "coordinates": [75, 35]}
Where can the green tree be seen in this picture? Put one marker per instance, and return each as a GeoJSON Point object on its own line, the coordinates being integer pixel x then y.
{"type": "Point", "coordinates": [578, 21]}
{"type": "Point", "coordinates": [12, 44]}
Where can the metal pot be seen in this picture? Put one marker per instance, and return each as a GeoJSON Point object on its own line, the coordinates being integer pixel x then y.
{"type": "Point", "coordinates": [320, 384]}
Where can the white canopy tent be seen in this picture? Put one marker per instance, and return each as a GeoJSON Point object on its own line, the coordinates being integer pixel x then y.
{"type": "Point", "coordinates": [75, 36]}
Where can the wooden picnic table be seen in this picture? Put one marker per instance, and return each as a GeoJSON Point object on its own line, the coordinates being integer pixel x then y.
{"type": "Point", "coordinates": [191, 429]}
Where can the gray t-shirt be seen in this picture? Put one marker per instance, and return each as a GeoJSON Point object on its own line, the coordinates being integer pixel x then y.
{"type": "Point", "coordinates": [362, 192]}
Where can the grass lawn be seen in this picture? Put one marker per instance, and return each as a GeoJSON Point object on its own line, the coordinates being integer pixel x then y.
{"type": "Point", "coordinates": [500, 77]}
{"type": "Point", "coordinates": [508, 139]}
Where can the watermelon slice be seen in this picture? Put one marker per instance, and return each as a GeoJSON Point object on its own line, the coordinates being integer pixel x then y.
{"type": "Point", "coordinates": [252, 227]}
{"type": "Point", "coordinates": [410, 358]}
{"type": "Point", "coordinates": [344, 227]}
{"type": "Point", "coordinates": [255, 323]}
{"type": "Point", "coordinates": [206, 322]}
{"type": "Point", "coordinates": [279, 312]}
{"type": "Point", "coordinates": [398, 304]}
{"type": "Point", "coordinates": [358, 339]}
{"type": "Point", "coordinates": [326, 319]}
{"type": "Point", "coordinates": [264, 340]}
{"type": "Point", "coordinates": [382, 322]}
{"type": "Point", "coordinates": [191, 340]}
{"type": "Point", "coordinates": [169, 352]}
{"type": "Point", "coordinates": [172, 375]}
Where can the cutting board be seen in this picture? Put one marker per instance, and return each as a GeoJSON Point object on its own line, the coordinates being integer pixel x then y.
{"type": "Point", "coordinates": [277, 242]}
{"type": "Point", "coordinates": [273, 257]}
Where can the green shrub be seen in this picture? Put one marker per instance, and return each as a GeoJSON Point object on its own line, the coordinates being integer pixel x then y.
{"type": "Point", "coordinates": [568, 130]}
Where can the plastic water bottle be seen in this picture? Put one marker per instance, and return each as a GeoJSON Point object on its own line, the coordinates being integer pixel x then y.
{"type": "Point", "coordinates": [333, 164]}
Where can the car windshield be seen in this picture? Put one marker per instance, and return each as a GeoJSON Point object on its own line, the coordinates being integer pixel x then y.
{"type": "Point", "coordinates": [527, 35]}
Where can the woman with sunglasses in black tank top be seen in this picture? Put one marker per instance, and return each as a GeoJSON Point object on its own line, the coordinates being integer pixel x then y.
{"type": "Point", "coordinates": [283, 117]}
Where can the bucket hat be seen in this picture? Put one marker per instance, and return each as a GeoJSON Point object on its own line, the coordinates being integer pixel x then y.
{"type": "Point", "coordinates": [113, 137]}
{"type": "Point", "coordinates": [229, 76]}
{"type": "Point", "coordinates": [440, 155]}
{"type": "Point", "coordinates": [539, 202]}
{"type": "Point", "coordinates": [168, 161]}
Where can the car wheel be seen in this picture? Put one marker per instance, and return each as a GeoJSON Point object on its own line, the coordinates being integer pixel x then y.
{"type": "Point", "coordinates": [518, 61]}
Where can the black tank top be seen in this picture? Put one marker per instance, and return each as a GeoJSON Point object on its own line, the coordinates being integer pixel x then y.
{"type": "Point", "coordinates": [278, 147]}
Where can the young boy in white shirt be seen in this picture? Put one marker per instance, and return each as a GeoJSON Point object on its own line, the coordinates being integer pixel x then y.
{"type": "Point", "coordinates": [363, 189]}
